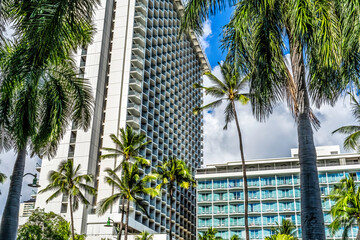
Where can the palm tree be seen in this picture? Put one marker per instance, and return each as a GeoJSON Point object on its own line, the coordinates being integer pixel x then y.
{"type": "Point", "coordinates": [346, 210]}
{"type": "Point", "coordinates": [69, 182]}
{"type": "Point", "coordinates": [130, 187]}
{"type": "Point", "coordinates": [127, 147]}
{"type": "Point", "coordinates": [287, 227]}
{"type": "Point", "coordinates": [235, 237]}
{"type": "Point", "coordinates": [40, 92]}
{"type": "Point", "coordinates": [210, 234]}
{"type": "Point", "coordinates": [171, 173]}
{"type": "Point", "coordinates": [229, 90]}
{"type": "Point", "coordinates": [353, 131]}
{"type": "Point", "coordinates": [324, 53]}
{"type": "Point", "coordinates": [280, 237]}
{"type": "Point", "coordinates": [144, 235]}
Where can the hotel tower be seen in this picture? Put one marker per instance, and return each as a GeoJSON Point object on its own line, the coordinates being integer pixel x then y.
{"type": "Point", "coordinates": [142, 76]}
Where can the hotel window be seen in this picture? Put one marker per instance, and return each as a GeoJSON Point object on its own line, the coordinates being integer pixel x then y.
{"type": "Point", "coordinates": [220, 196]}
{"type": "Point", "coordinates": [254, 194]}
{"type": "Point", "coordinates": [236, 208]}
{"type": "Point", "coordinates": [233, 183]}
{"type": "Point", "coordinates": [220, 209]}
{"type": "Point", "coordinates": [255, 234]}
{"type": "Point", "coordinates": [220, 184]}
{"type": "Point", "coordinates": [269, 207]}
{"type": "Point", "coordinates": [268, 194]}
{"type": "Point", "coordinates": [220, 222]}
{"type": "Point", "coordinates": [255, 207]}
{"type": "Point", "coordinates": [335, 177]}
{"type": "Point", "coordinates": [239, 195]}
{"type": "Point", "coordinates": [284, 180]}
{"type": "Point", "coordinates": [254, 182]}
{"type": "Point", "coordinates": [268, 181]}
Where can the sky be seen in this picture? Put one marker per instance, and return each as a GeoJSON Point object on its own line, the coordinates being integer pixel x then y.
{"type": "Point", "coordinates": [271, 139]}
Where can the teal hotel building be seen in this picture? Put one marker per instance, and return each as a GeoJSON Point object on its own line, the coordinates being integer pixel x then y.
{"type": "Point", "coordinates": [274, 193]}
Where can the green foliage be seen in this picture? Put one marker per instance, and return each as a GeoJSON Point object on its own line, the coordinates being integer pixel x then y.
{"type": "Point", "coordinates": [210, 234]}
{"type": "Point", "coordinates": [280, 237]}
{"type": "Point", "coordinates": [127, 147]}
{"type": "Point", "coordinates": [171, 172]}
{"type": "Point", "coordinates": [44, 226]}
{"type": "Point", "coordinates": [353, 131]}
{"type": "Point", "coordinates": [346, 210]}
{"type": "Point", "coordinates": [144, 235]}
{"type": "Point", "coordinates": [287, 227]}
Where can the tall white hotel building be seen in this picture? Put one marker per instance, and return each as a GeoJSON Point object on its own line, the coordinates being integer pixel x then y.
{"type": "Point", "coordinates": [142, 75]}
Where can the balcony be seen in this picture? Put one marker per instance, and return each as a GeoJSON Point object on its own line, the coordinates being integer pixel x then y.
{"type": "Point", "coordinates": [133, 121]}
{"type": "Point", "coordinates": [136, 72]}
{"type": "Point", "coordinates": [139, 28]}
{"type": "Point", "coordinates": [140, 6]}
{"type": "Point", "coordinates": [135, 84]}
{"type": "Point", "coordinates": [137, 61]}
{"type": "Point", "coordinates": [134, 109]}
{"type": "Point", "coordinates": [135, 96]}
{"type": "Point", "coordinates": [138, 49]}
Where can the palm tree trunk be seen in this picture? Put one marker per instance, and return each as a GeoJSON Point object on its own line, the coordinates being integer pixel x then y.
{"type": "Point", "coordinates": [122, 218]}
{"type": "Point", "coordinates": [72, 217]}
{"type": "Point", "coordinates": [127, 219]}
{"type": "Point", "coordinates": [10, 221]}
{"type": "Point", "coordinates": [170, 213]}
{"type": "Point", "coordinates": [312, 220]}
{"type": "Point", "coordinates": [247, 237]}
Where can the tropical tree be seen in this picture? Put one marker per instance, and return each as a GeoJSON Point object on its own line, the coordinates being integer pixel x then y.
{"type": "Point", "coordinates": [171, 173]}
{"type": "Point", "coordinates": [2, 177]}
{"type": "Point", "coordinates": [323, 58]}
{"type": "Point", "coordinates": [235, 237]}
{"type": "Point", "coordinates": [130, 187]}
{"type": "Point", "coordinates": [69, 182]}
{"type": "Point", "coordinates": [210, 234]}
{"type": "Point", "coordinates": [144, 235]}
{"type": "Point", "coordinates": [287, 227]}
{"type": "Point", "coordinates": [346, 210]}
{"type": "Point", "coordinates": [127, 147]}
{"type": "Point", "coordinates": [44, 226]}
{"type": "Point", "coordinates": [40, 92]}
{"type": "Point", "coordinates": [352, 131]}
{"type": "Point", "coordinates": [280, 237]}
{"type": "Point", "coordinates": [229, 90]}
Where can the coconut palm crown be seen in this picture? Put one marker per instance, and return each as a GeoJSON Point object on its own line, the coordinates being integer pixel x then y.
{"type": "Point", "coordinates": [346, 210]}
{"type": "Point", "coordinates": [69, 182]}
{"type": "Point", "coordinates": [352, 131]}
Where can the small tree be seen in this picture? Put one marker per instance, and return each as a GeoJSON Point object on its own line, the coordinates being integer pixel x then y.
{"type": "Point", "coordinates": [44, 226]}
{"type": "Point", "coordinates": [69, 182]}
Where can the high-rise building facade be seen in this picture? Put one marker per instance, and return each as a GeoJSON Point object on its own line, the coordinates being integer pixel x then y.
{"type": "Point", "coordinates": [274, 193]}
{"type": "Point", "coordinates": [142, 75]}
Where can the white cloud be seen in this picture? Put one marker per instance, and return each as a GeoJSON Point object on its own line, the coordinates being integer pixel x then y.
{"type": "Point", "coordinates": [274, 138]}
{"type": "Point", "coordinates": [207, 32]}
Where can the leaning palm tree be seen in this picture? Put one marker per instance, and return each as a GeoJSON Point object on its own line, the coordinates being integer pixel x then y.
{"type": "Point", "coordinates": [210, 234]}
{"type": "Point", "coordinates": [353, 131]}
{"type": "Point", "coordinates": [130, 187]}
{"type": "Point", "coordinates": [171, 173]}
{"type": "Point", "coordinates": [144, 235]}
{"type": "Point", "coordinates": [235, 237]}
{"type": "Point", "coordinates": [229, 90]}
{"type": "Point", "coordinates": [323, 58]}
{"type": "Point", "coordinates": [127, 147]}
{"type": "Point", "coordinates": [40, 92]}
{"type": "Point", "coordinates": [346, 210]}
{"type": "Point", "coordinates": [69, 182]}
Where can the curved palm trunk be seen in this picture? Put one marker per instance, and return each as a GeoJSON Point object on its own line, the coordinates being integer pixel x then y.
{"type": "Point", "coordinates": [10, 221]}
{"type": "Point", "coordinates": [312, 220]}
{"type": "Point", "coordinates": [247, 237]}
{"type": "Point", "coordinates": [127, 219]}
{"type": "Point", "coordinates": [170, 213]}
{"type": "Point", "coordinates": [72, 217]}
{"type": "Point", "coordinates": [122, 218]}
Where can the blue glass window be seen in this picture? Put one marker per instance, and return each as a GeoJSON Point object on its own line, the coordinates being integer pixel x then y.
{"type": "Point", "coordinates": [237, 221]}
{"type": "Point", "coordinates": [256, 234]}
{"type": "Point", "coordinates": [220, 196]}
{"type": "Point", "coordinates": [205, 210]}
{"type": "Point", "coordinates": [254, 207]}
{"type": "Point", "coordinates": [254, 194]}
{"type": "Point", "coordinates": [220, 209]}
{"type": "Point", "coordinates": [236, 208]}
{"type": "Point", "coordinates": [286, 206]}
{"type": "Point", "coordinates": [286, 193]}
{"type": "Point", "coordinates": [204, 184]}
{"type": "Point", "coordinates": [268, 194]}
{"type": "Point", "coordinates": [220, 184]}
{"type": "Point", "coordinates": [284, 180]}
{"type": "Point", "coordinates": [270, 181]}
{"type": "Point", "coordinates": [238, 195]}
{"type": "Point", "coordinates": [204, 197]}
{"type": "Point", "coordinates": [220, 222]}
{"type": "Point", "coordinates": [322, 178]}
{"type": "Point", "coordinates": [269, 207]}
{"type": "Point", "coordinates": [235, 183]}
{"type": "Point", "coordinates": [253, 182]}
{"type": "Point", "coordinates": [335, 177]}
